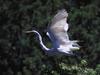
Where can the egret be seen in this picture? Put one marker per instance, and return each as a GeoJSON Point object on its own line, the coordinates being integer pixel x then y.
{"type": "Point", "coordinates": [57, 32]}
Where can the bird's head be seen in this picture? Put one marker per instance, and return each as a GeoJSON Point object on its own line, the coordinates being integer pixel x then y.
{"type": "Point", "coordinates": [31, 31]}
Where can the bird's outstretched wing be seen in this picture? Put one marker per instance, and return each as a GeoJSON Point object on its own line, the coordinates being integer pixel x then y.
{"type": "Point", "coordinates": [58, 28]}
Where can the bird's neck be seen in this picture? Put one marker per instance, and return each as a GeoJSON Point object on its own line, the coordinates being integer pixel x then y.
{"type": "Point", "coordinates": [40, 40]}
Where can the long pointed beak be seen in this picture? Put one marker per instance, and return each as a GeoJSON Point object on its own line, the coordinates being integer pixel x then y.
{"type": "Point", "coordinates": [28, 31]}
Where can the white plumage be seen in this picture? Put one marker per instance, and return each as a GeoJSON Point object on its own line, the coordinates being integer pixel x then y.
{"type": "Point", "coordinates": [57, 32]}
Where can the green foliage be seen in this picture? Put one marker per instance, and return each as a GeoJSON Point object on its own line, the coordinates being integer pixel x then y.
{"type": "Point", "coordinates": [20, 53]}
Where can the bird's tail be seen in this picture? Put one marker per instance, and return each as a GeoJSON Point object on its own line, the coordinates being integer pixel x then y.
{"type": "Point", "coordinates": [75, 46]}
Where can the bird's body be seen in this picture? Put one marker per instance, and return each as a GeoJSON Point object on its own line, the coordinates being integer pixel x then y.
{"type": "Point", "coordinates": [57, 32]}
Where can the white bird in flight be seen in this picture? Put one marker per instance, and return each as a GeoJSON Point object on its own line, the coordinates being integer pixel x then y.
{"type": "Point", "coordinates": [57, 32]}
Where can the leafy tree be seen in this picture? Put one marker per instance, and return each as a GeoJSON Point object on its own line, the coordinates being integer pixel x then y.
{"type": "Point", "coordinates": [20, 53]}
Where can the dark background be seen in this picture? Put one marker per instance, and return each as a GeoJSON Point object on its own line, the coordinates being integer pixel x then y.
{"type": "Point", "coordinates": [20, 53]}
